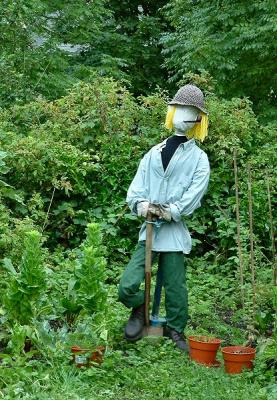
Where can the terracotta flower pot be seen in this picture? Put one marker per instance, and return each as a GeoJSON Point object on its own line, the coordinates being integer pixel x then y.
{"type": "Point", "coordinates": [203, 350]}
{"type": "Point", "coordinates": [87, 357]}
{"type": "Point", "coordinates": [237, 357]}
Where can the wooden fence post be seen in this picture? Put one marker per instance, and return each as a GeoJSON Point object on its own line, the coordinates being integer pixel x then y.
{"type": "Point", "coordinates": [238, 226]}
{"type": "Point", "coordinates": [252, 260]}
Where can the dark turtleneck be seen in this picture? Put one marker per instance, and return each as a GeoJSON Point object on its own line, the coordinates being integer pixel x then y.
{"type": "Point", "coordinates": [171, 145]}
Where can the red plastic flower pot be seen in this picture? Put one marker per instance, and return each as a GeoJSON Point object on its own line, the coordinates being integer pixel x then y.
{"type": "Point", "coordinates": [203, 350]}
{"type": "Point", "coordinates": [237, 357]}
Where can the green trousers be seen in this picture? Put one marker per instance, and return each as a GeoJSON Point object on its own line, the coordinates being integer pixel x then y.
{"type": "Point", "coordinates": [174, 281]}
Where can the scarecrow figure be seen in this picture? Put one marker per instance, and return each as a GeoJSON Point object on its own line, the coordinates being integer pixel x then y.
{"type": "Point", "coordinates": [170, 182]}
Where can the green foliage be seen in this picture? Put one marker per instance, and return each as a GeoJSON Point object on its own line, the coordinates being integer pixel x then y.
{"type": "Point", "coordinates": [13, 235]}
{"type": "Point", "coordinates": [25, 66]}
{"type": "Point", "coordinates": [265, 370]}
{"type": "Point", "coordinates": [88, 334]}
{"type": "Point", "coordinates": [86, 291]}
{"type": "Point", "coordinates": [71, 138]}
{"type": "Point", "coordinates": [46, 46]}
{"type": "Point", "coordinates": [6, 190]}
{"type": "Point", "coordinates": [138, 26]}
{"type": "Point", "coordinates": [90, 273]}
{"type": "Point", "coordinates": [77, 154]}
{"type": "Point", "coordinates": [133, 372]}
{"type": "Point", "coordinates": [25, 286]}
{"type": "Point", "coordinates": [76, 170]}
{"type": "Point", "coordinates": [232, 41]}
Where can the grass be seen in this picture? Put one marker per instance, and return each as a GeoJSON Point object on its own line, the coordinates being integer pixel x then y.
{"type": "Point", "coordinates": [147, 371]}
{"type": "Point", "coordinates": [151, 369]}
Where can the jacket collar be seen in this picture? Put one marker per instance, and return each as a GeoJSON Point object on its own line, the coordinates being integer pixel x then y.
{"type": "Point", "coordinates": [188, 144]}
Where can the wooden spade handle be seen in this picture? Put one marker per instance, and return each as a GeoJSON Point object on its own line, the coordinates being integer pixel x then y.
{"type": "Point", "coordinates": [148, 262]}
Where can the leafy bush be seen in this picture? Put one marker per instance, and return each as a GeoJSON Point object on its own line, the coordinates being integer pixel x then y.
{"type": "Point", "coordinates": [90, 143]}
{"type": "Point", "coordinates": [90, 273]}
{"type": "Point", "coordinates": [25, 286]}
{"type": "Point", "coordinates": [214, 37]}
{"type": "Point", "coordinates": [86, 291]}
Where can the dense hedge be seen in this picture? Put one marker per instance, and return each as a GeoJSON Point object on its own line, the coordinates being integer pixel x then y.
{"type": "Point", "coordinates": [69, 162]}
{"type": "Point", "coordinates": [84, 148]}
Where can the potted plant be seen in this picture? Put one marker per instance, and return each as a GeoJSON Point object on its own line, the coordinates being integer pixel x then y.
{"type": "Point", "coordinates": [81, 355]}
{"type": "Point", "coordinates": [87, 357]}
{"type": "Point", "coordinates": [203, 350]}
{"type": "Point", "coordinates": [86, 349]}
{"type": "Point", "coordinates": [236, 358]}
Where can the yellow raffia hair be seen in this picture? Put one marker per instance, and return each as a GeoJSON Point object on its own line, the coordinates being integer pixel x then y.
{"type": "Point", "coordinates": [199, 131]}
{"type": "Point", "coordinates": [169, 117]}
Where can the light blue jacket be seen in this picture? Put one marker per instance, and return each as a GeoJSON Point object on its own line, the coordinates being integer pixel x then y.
{"type": "Point", "coordinates": [181, 186]}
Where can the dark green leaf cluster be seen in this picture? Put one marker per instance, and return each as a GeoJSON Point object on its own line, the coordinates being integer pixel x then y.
{"type": "Point", "coordinates": [46, 46]}
{"type": "Point", "coordinates": [233, 41]}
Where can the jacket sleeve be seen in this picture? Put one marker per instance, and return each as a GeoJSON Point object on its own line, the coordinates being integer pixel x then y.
{"type": "Point", "coordinates": [193, 195]}
{"type": "Point", "coordinates": [137, 191]}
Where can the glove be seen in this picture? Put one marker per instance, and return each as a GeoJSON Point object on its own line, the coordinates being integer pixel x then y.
{"type": "Point", "coordinates": [142, 208]}
{"type": "Point", "coordinates": [161, 211]}
{"type": "Point", "coordinates": [165, 213]}
{"type": "Point", "coordinates": [155, 209]}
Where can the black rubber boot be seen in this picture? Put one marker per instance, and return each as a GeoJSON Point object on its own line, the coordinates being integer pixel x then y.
{"type": "Point", "coordinates": [134, 327]}
{"type": "Point", "coordinates": [178, 338]}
